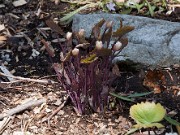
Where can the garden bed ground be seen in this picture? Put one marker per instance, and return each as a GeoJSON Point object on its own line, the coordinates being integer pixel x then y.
{"type": "Point", "coordinates": [25, 30]}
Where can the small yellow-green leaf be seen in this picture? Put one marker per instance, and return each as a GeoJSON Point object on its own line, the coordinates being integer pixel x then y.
{"type": "Point", "coordinates": [89, 59]}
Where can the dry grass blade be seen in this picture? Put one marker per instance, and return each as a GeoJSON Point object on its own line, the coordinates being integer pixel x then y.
{"type": "Point", "coordinates": [4, 123]}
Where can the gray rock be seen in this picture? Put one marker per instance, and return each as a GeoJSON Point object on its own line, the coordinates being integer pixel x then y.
{"type": "Point", "coordinates": [154, 43]}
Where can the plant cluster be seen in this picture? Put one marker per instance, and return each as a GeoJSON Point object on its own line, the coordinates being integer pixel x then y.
{"type": "Point", "coordinates": [85, 67]}
{"type": "Point", "coordinates": [144, 7]}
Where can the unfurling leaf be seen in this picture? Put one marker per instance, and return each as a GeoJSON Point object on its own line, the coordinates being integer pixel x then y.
{"type": "Point", "coordinates": [107, 36]}
{"type": "Point", "coordinates": [122, 31]}
{"type": "Point", "coordinates": [80, 37]}
{"type": "Point", "coordinates": [96, 30]}
{"type": "Point", "coordinates": [104, 52]}
{"type": "Point", "coordinates": [124, 41]}
{"type": "Point", "coordinates": [90, 59]}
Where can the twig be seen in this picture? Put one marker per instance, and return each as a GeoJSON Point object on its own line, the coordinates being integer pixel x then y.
{"type": "Point", "coordinates": [170, 75]}
{"type": "Point", "coordinates": [4, 124]}
{"type": "Point", "coordinates": [55, 111]}
{"type": "Point", "coordinates": [6, 73]}
{"type": "Point", "coordinates": [22, 107]}
{"type": "Point", "coordinates": [28, 79]}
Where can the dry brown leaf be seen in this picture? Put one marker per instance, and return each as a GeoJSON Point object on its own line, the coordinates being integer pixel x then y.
{"type": "Point", "coordinates": [49, 48]}
{"type": "Point", "coordinates": [50, 23]}
{"type": "Point", "coordinates": [176, 90]}
{"type": "Point", "coordinates": [155, 80]}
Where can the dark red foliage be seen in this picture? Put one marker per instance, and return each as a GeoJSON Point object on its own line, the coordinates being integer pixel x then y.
{"type": "Point", "coordinates": [84, 71]}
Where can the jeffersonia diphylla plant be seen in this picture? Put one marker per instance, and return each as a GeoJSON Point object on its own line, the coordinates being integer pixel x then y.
{"type": "Point", "coordinates": [85, 67]}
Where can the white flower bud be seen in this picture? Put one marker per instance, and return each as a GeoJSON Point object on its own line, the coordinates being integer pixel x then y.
{"type": "Point", "coordinates": [99, 45]}
{"type": "Point", "coordinates": [75, 51]}
{"type": "Point", "coordinates": [68, 35]}
{"type": "Point", "coordinates": [117, 46]}
{"type": "Point", "coordinates": [81, 32]}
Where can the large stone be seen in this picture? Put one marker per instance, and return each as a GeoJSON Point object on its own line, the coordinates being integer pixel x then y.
{"type": "Point", "coordinates": [154, 43]}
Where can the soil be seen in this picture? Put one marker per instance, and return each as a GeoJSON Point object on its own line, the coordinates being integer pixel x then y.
{"type": "Point", "coordinates": [25, 29]}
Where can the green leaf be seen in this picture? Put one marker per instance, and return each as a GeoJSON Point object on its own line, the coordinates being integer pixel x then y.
{"type": "Point", "coordinates": [147, 113]}
{"type": "Point", "coordinates": [126, 11]}
{"type": "Point", "coordinates": [164, 3]}
{"type": "Point", "coordinates": [151, 9]}
{"type": "Point", "coordinates": [139, 94]}
{"type": "Point", "coordinates": [139, 6]}
{"type": "Point", "coordinates": [122, 97]}
{"type": "Point", "coordinates": [68, 17]}
{"type": "Point", "coordinates": [172, 121]}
